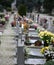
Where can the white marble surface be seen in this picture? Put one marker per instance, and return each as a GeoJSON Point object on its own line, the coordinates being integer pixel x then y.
{"type": "Point", "coordinates": [32, 29]}
{"type": "Point", "coordinates": [33, 35]}
{"type": "Point", "coordinates": [35, 52]}
{"type": "Point", "coordinates": [35, 61]}
{"type": "Point", "coordinates": [32, 40]}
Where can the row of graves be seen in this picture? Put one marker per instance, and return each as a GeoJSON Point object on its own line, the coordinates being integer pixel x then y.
{"type": "Point", "coordinates": [47, 22]}
{"type": "Point", "coordinates": [34, 47]}
{"type": "Point", "coordinates": [4, 18]}
{"type": "Point", "coordinates": [37, 44]}
{"type": "Point", "coordinates": [43, 20]}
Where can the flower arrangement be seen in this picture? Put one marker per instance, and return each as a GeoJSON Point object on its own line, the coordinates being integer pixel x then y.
{"type": "Point", "coordinates": [26, 51]}
{"type": "Point", "coordinates": [2, 21]}
{"type": "Point", "coordinates": [46, 36]}
{"type": "Point", "coordinates": [44, 49]}
{"type": "Point", "coordinates": [47, 53]}
{"type": "Point", "coordinates": [30, 21]}
{"type": "Point", "coordinates": [13, 24]}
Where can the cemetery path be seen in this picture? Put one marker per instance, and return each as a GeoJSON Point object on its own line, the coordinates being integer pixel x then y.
{"type": "Point", "coordinates": [8, 45]}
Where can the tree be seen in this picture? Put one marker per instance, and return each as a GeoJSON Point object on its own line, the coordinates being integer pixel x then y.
{"type": "Point", "coordinates": [22, 9]}
{"type": "Point", "coordinates": [30, 4]}
{"type": "Point", "coordinates": [39, 3]}
{"type": "Point", "coordinates": [6, 3]}
{"type": "Point", "coordinates": [1, 8]}
{"type": "Point", "coordinates": [48, 5]}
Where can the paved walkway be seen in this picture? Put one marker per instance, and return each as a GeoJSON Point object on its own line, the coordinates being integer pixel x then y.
{"type": "Point", "coordinates": [8, 45]}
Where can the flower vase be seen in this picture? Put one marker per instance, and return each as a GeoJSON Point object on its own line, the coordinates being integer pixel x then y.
{"type": "Point", "coordinates": [45, 44]}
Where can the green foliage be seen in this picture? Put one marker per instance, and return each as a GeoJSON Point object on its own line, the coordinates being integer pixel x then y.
{"type": "Point", "coordinates": [1, 15]}
{"type": "Point", "coordinates": [1, 8]}
{"type": "Point", "coordinates": [8, 9]}
{"type": "Point", "coordinates": [48, 5]}
{"type": "Point", "coordinates": [39, 5]}
{"type": "Point", "coordinates": [22, 9]}
{"type": "Point", "coordinates": [49, 63]}
{"type": "Point", "coordinates": [6, 3]}
{"type": "Point", "coordinates": [30, 4]}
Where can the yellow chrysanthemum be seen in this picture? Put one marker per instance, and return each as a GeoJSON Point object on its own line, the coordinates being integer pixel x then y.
{"type": "Point", "coordinates": [43, 49]}
{"type": "Point", "coordinates": [46, 36]}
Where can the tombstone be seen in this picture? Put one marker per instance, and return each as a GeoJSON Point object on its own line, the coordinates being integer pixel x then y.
{"type": "Point", "coordinates": [17, 27]}
{"type": "Point", "coordinates": [38, 19]}
{"type": "Point", "coordinates": [34, 17]}
{"type": "Point", "coordinates": [50, 24]}
{"type": "Point", "coordinates": [28, 15]}
{"type": "Point", "coordinates": [53, 26]}
{"type": "Point", "coordinates": [5, 11]}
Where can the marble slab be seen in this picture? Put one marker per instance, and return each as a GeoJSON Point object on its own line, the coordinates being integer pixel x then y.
{"type": "Point", "coordinates": [33, 35]}
{"type": "Point", "coordinates": [32, 40]}
{"type": "Point", "coordinates": [35, 52]}
{"type": "Point", "coordinates": [32, 29]}
{"type": "Point", "coordinates": [35, 61]}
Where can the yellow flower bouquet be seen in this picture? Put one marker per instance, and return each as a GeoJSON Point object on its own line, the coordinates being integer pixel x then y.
{"type": "Point", "coordinates": [46, 36]}
{"type": "Point", "coordinates": [47, 53]}
{"type": "Point", "coordinates": [43, 49]}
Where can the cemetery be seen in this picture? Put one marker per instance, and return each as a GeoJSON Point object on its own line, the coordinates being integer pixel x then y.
{"type": "Point", "coordinates": [27, 32]}
{"type": "Point", "coordinates": [36, 41]}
